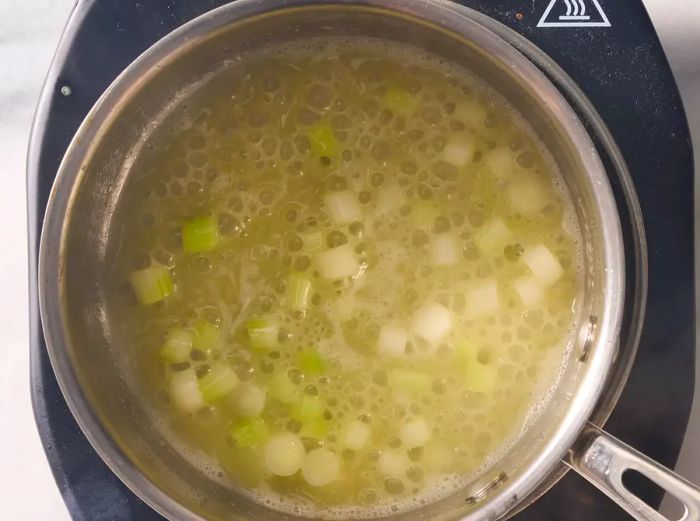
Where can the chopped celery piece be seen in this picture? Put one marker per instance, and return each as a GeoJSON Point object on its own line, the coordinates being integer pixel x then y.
{"type": "Point", "coordinates": [217, 383]}
{"type": "Point", "coordinates": [342, 207]}
{"type": "Point", "coordinates": [432, 322]}
{"type": "Point", "coordinates": [249, 432]}
{"type": "Point", "coordinates": [310, 362]}
{"type": "Point", "coordinates": [152, 284]}
{"type": "Point", "coordinates": [409, 381]}
{"type": "Point", "coordinates": [423, 215]}
{"type": "Point", "coordinates": [392, 341]}
{"type": "Point", "coordinates": [206, 336]}
{"type": "Point", "coordinates": [284, 453]}
{"type": "Point", "coordinates": [200, 234]}
{"type": "Point", "coordinates": [281, 388]}
{"type": "Point", "coordinates": [415, 433]}
{"type": "Point", "coordinates": [493, 236]}
{"type": "Point", "coordinates": [399, 101]}
{"type": "Point", "coordinates": [298, 291]}
{"type": "Point", "coordinates": [249, 400]}
{"type": "Point", "coordinates": [323, 140]}
{"type": "Point", "coordinates": [483, 300]}
{"type": "Point", "coordinates": [263, 333]}
{"type": "Point", "coordinates": [356, 435]}
{"type": "Point", "coordinates": [338, 263]}
{"type": "Point", "coordinates": [316, 429]}
{"type": "Point", "coordinates": [479, 378]}
{"type": "Point", "coordinates": [309, 408]}
{"type": "Point", "coordinates": [177, 346]}
{"type": "Point", "coordinates": [543, 265]}
{"type": "Point", "coordinates": [529, 291]}
{"type": "Point", "coordinates": [184, 391]}
{"type": "Point", "coordinates": [320, 467]}
{"type": "Point", "coordinates": [459, 152]}
{"type": "Point", "coordinates": [313, 241]}
{"type": "Point", "coordinates": [444, 249]}
{"type": "Point", "coordinates": [465, 350]}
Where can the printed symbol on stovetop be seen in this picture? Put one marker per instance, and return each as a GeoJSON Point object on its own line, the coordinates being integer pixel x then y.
{"type": "Point", "coordinates": [574, 13]}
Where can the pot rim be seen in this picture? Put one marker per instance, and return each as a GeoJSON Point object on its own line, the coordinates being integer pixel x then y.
{"type": "Point", "coordinates": [448, 16]}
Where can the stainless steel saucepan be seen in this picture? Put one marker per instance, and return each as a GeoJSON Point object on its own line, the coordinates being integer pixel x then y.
{"type": "Point", "coordinates": [77, 247]}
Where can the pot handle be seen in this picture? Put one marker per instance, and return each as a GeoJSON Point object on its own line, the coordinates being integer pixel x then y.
{"type": "Point", "coordinates": [603, 459]}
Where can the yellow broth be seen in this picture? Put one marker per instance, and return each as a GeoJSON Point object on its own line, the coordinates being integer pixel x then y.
{"type": "Point", "coordinates": [345, 280]}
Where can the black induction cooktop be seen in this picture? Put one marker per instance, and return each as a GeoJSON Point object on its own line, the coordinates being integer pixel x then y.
{"type": "Point", "coordinates": [610, 51]}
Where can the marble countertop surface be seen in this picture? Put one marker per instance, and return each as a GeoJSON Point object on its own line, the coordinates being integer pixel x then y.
{"type": "Point", "coordinates": [29, 32]}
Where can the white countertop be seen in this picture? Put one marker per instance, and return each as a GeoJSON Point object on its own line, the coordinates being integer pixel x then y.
{"type": "Point", "coordinates": [29, 32]}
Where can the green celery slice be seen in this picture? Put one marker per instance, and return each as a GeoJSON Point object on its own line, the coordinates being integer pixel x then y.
{"type": "Point", "coordinates": [250, 432]}
{"type": "Point", "coordinates": [298, 291]}
{"type": "Point", "coordinates": [177, 346]}
{"type": "Point", "coordinates": [219, 382]}
{"type": "Point", "coordinates": [263, 332]}
{"type": "Point", "coordinates": [323, 140]}
{"type": "Point", "coordinates": [152, 284]}
{"type": "Point", "coordinates": [200, 234]}
{"type": "Point", "coordinates": [310, 362]}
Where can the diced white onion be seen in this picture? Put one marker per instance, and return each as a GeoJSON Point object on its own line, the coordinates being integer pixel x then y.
{"type": "Point", "coordinates": [392, 341]}
{"type": "Point", "coordinates": [184, 391]}
{"type": "Point", "coordinates": [389, 200]}
{"type": "Point", "coordinates": [493, 236]}
{"type": "Point", "coordinates": [500, 162]}
{"type": "Point", "coordinates": [432, 322]}
{"type": "Point", "coordinates": [284, 453]}
{"type": "Point", "coordinates": [393, 463]}
{"type": "Point", "coordinates": [444, 249]}
{"type": "Point", "coordinates": [483, 299]}
{"type": "Point", "coordinates": [528, 290]}
{"type": "Point", "coordinates": [543, 265]}
{"type": "Point", "coordinates": [342, 207]}
{"type": "Point", "coordinates": [250, 400]}
{"type": "Point", "coordinates": [471, 113]}
{"type": "Point", "coordinates": [338, 263]}
{"type": "Point", "coordinates": [415, 433]}
{"type": "Point", "coordinates": [356, 435]}
{"type": "Point", "coordinates": [528, 195]}
{"type": "Point", "coordinates": [320, 467]}
{"type": "Point", "coordinates": [459, 152]}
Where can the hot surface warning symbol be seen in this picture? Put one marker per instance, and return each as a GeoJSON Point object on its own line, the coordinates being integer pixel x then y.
{"type": "Point", "coordinates": [574, 13]}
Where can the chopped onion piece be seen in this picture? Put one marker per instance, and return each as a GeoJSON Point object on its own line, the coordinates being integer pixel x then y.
{"type": "Point", "coordinates": [320, 467]}
{"type": "Point", "coordinates": [393, 463]}
{"type": "Point", "coordinates": [217, 383]}
{"type": "Point", "coordinates": [472, 113]}
{"type": "Point", "coordinates": [152, 284]}
{"type": "Point", "coordinates": [480, 378]}
{"type": "Point", "coordinates": [432, 322]}
{"type": "Point", "coordinates": [389, 200]}
{"type": "Point", "coordinates": [493, 237]}
{"type": "Point", "coordinates": [313, 241]}
{"type": "Point", "coordinates": [423, 215]}
{"type": "Point", "coordinates": [356, 435]}
{"type": "Point", "coordinates": [459, 152]}
{"type": "Point", "coordinates": [342, 207]}
{"type": "Point", "coordinates": [284, 453]}
{"type": "Point", "coordinates": [543, 265]}
{"type": "Point", "coordinates": [528, 195]}
{"type": "Point", "coordinates": [483, 299]}
{"type": "Point", "coordinates": [177, 346]}
{"type": "Point", "coordinates": [249, 400]}
{"type": "Point", "coordinates": [249, 432]}
{"type": "Point", "coordinates": [444, 249]}
{"type": "Point", "coordinates": [415, 433]}
{"type": "Point", "coordinates": [404, 380]}
{"type": "Point", "coordinates": [184, 391]}
{"type": "Point", "coordinates": [345, 306]}
{"type": "Point", "coordinates": [392, 341]}
{"type": "Point", "coordinates": [298, 291]}
{"type": "Point", "coordinates": [500, 162]}
{"type": "Point", "coordinates": [338, 263]}
{"type": "Point", "coordinates": [528, 290]}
